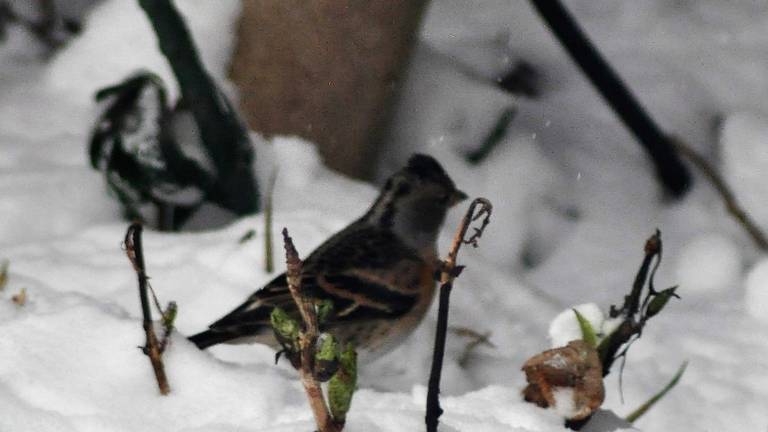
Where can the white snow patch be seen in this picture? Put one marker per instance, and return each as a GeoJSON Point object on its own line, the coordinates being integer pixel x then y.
{"type": "Point", "coordinates": [565, 406]}
{"type": "Point", "coordinates": [118, 40]}
{"type": "Point", "coordinates": [709, 263]}
{"type": "Point", "coordinates": [745, 161]}
{"type": "Point", "coordinates": [565, 326]}
{"type": "Point", "coordinates": [62, 232]}
{"type": "Point", "coordinates": [756, 295]}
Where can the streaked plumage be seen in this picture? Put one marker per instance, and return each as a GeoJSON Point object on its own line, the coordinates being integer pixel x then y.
{"type": "Point", "coordinates": [378, 271]}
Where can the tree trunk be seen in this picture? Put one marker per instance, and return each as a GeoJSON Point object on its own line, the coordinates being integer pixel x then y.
{"type": "Point", "coordinates": [325, 70]}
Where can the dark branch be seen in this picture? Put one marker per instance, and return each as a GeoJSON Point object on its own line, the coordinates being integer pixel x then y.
{"type": "Point", "coordinates": [135, 252]}
{"type": "Point", "coordinates": [448, 273]}
{"type": "Point", "coordinates": [671, 171]}
{"type": "Point", "coordinates": [729, 198]}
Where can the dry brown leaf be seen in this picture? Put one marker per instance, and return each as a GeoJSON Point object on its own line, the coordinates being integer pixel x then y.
{"type": "Point", "coordinates": [575, 367]}
{"type": "Point", "coordinates": [20, 298]}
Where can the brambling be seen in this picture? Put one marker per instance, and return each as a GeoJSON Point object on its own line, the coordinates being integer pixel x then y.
{"type": "Point", "coordinates": [379, 271]}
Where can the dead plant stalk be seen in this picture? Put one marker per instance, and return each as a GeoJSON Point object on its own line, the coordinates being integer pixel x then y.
{"type": "Point", "coordinates": [448, 272]}
{"type": "Point", "coordinates": [307, 339]}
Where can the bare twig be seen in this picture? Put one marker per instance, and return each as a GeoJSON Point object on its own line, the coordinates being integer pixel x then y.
{"type": "Point", "coordinates": [475, 340]}
{"type": "Point", "coordinates": [307, 339]}
{"type": "Point", "coordinates": [493, 139]}
{"type": "Point", "coordinates": [639, 306]}
{"type": "Point", "coordinates": [135, 252]}
{"type": "Point", "coordinates": [449, 271]}
{"type": "Point", "coordinates": [729, 198]}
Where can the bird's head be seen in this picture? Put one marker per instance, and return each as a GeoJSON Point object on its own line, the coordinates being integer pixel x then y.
{"type": "Point", "coordinates": [414, 200]}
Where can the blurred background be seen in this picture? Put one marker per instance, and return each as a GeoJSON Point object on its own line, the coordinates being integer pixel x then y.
{"type": "Point", "coordinates": [317, 100]}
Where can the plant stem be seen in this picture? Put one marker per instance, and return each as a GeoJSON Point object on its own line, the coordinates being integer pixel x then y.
{"type": "Point", "coordinates": [448, 273]}
{"type": "Point", "coordinates": [307, 339]}
{"type": "Point", "coordinates": [151, 348]}
{"type": "Point", "coordinates": [729, 198]}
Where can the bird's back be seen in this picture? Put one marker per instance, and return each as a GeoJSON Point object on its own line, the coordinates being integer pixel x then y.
{"type": "Point", "coordinates": [379, 288]}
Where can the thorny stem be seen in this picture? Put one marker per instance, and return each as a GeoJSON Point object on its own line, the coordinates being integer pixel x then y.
{"type": "Point", "coordinates": [307, 339]}
{"type": "Point", "coordinates": [135, 252]}
{"type": "Point", "coordinates": [448, 273]}
{"type": "Point", "coordinates": [729, 198]}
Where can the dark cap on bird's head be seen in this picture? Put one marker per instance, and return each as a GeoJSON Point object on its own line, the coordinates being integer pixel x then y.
{"type": "Point", "coordinates": [428, 169]}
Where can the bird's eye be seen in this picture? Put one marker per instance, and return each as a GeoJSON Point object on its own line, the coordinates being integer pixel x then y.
{"type": "Point", "coordinates": [403, 189]}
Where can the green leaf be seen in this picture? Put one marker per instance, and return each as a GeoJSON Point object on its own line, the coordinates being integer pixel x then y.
{"type": "Point", "coordinates": [286, 329]}
{"type": "Point", "coordinates": [341, 387]}
{"type": "Point", "coordinates": [323, 309]}
{"type": "Point", "coordinates": [326, 357]}
{"type": "Point", "coordinates": [642, 409]}
{"type": "Point", "coordinates": [169, 316]}
{"type": "Point", "coordinates": [659, 301]}
{"type": "Point", "coordinates": [588, 333]}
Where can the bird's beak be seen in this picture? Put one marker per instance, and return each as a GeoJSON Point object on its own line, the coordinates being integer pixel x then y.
{"type": "Point", "coordinates": [456, 197]}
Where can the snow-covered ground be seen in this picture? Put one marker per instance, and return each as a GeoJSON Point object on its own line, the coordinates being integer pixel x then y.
{"type": "Point", "coordinates": [575, 199]}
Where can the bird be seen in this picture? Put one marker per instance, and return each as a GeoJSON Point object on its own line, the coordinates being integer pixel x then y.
{"type": "Point", "coordinates": [379, 272]}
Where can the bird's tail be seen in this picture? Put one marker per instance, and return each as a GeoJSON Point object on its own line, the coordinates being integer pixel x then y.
{"type": "Point", "coordinates": [209, 338]}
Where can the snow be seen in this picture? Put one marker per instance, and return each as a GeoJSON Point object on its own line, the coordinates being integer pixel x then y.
{"type": "Point", "coordinates": [756, 287]}
{"type": "Point", "coordinates": [565, 326]}
{"type": "Point", "coordinates": [709, 263]}
{"type": "Point", "coordinates": [575, 200]}
{"type": "Point", "coordinates": [745, 160]}
{"type": "Point", "coordinates": [564, 406]}
{"type": "Point", "coordinates": [99, 56]}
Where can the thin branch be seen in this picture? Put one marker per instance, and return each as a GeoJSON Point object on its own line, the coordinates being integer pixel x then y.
{"type": "Point", "coordinates": [135, 252]}
{"type": "Point", "coordinates": [307, 339]}
{"type": "Point", "coordinates": [669, 168]}
{"type": "Point", "coordinates": [475, 340]}
{"type": "Point", "coordinates": [729, 198]}
{"type": "Point", "coordinates": [449, 271]}
{"type": "Point", "coordinates": [493, 139]}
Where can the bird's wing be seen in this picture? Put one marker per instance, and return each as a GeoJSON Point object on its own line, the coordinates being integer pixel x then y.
{"type": "Point", "coordinates": [369, 273]}
{"type": "Point", "coordinates": [255, 311]}
{"type": "Point", "coordinates": [353, 269]}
